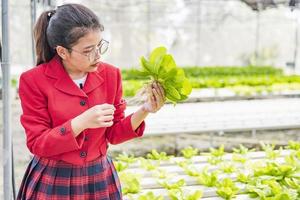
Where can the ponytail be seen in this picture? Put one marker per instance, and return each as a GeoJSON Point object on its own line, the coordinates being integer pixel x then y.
{"type": "Point", "coordinates": [44, 52]}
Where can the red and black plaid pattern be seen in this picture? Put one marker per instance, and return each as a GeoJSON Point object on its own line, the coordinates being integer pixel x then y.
{"type": "Point", "coordinates": [57, 180]}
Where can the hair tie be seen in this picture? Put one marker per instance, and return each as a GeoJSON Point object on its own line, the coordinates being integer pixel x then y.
{"type": "Point", "coordinates": [51, 13]}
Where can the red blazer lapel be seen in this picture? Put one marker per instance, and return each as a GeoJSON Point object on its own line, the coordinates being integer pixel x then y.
{"type": "Point", "coordinates": [94, 79]}
{"type": "Point", "coordinates": [64, 83]}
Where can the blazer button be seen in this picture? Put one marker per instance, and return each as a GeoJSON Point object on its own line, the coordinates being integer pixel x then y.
{"type": "Point", "coordinates": [83, 154]}
{"type": "Point", "coordinates": [62, 130]}
{"type": "Point", "coordinates": [86, 138]}
{"type": "Point", "coordinates": [82, 103]}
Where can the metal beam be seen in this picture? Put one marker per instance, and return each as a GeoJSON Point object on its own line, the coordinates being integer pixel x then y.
{"type": "Point", "coordinates": [33, 19]}
{"type": "Point", "coordinates": [7, 141]}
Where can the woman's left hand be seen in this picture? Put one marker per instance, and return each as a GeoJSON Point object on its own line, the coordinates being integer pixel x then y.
{"type": "Point", "coordinates": [156, 98]}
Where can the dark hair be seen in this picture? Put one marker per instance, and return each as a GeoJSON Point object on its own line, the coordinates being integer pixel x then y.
{"type": "Point", "coordinates": [63, 26]}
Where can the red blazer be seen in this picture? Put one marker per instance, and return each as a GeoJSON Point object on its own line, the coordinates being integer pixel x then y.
{"type": "Point", "coordinates": [50, 99]}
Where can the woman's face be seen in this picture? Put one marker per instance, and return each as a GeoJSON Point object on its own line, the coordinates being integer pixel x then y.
{"type": "Point", "coordinates": [84, 56]}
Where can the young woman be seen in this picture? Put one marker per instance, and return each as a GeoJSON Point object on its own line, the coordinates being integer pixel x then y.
{"type": "Point", "coordinates": [72, 108]}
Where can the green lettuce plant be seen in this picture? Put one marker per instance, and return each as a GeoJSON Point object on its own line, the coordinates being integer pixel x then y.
{"type": "Point", "coordinates": [189, 152]}
{"type": "Point", "coordinates": [227, 189]}
{"type": "Point", "coordinates": [160, 67]}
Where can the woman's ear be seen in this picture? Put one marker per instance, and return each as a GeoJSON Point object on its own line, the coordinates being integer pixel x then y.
{"type": "Point", "coordinates": [62, 52]}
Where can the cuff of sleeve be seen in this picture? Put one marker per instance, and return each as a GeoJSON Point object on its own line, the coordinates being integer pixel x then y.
{"type": "Point", "coordinates": [137, 132]}
{"type": "Point", "coordinates": [66, 130]}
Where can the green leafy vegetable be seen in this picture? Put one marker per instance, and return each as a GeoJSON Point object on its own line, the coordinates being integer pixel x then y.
{"type": "Point", "coordinates": [169, 186]}
{"type": "Point", "coordinates": [150, 196]}
{"type": "Point", "coordinates": [154, 155]}
{"type": "Point", "coordinates": [271, 153]}
{"type": "Point", "coordinates": [189, 152]}
{"type": "Point", "coordinates": [208, 179]}
{"type": "Point", "coordinates": [194, 196]}
{"type": "Point", "coordinates": [149, 165]}
{"type": "Point", "coordinates": [126, 158]}
{"type": "Point", "coordinates": [120, 166]}
{"type": "Point", "coordinates": [161, 68]}
{"type": "Point", "coordinates": [130, 183]}
{"type": "Point", "coordinates": [227, 189]}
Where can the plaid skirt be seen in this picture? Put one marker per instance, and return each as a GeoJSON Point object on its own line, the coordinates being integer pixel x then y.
{"type": "Point", "coordinates": [57, 180]}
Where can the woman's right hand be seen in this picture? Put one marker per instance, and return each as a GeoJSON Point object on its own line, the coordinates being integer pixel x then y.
{"type": "Point", "coordinates": [95, 117]}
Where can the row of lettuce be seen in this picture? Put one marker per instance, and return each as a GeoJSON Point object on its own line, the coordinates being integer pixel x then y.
{"type": "Point", "coordinates": [242, 80]}
{"type": "Point", "coordinates": [275, 177]}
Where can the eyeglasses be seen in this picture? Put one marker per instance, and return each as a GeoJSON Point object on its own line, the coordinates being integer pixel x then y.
{"type": "Point", "coordinates": [101, 48]}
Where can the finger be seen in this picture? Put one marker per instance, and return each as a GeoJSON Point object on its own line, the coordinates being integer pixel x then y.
{"type": "Point", "coordinates": [106, 124]}
{"type": "Point", "coordinates": [155, 94]}
{"type": "Point", "coordinates": [160, 90]}
{"type": "Point", "coordinates": [159, 96]}
{"type": "Point", "coordinates": [149, 92]}
{"type": "Point", "coordinates": [153, 103]}
{"type": "Point", "coordinates": [107, 112]}
{"type": "Point", "coordinates": [106, 106]}
{"type": "Point", "coordinates": [106, 118]}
